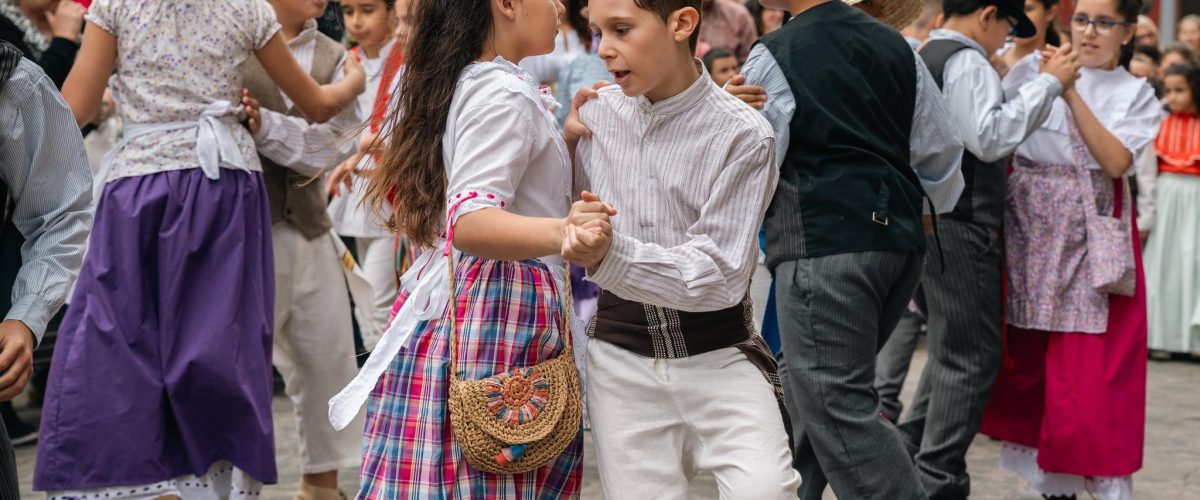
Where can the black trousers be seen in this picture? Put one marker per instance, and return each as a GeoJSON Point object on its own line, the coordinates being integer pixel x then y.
{"type": "Point", "coordinates": [964, 339]}
{"type": "Point", "coordinates": [835, 314]}
{"type": "Point", "coordinates": [9, 487]}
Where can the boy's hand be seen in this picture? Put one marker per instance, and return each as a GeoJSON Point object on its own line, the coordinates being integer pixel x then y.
{"type": "Point", "coordinates": [16, 358]}
{"type": "Point", "coordinates": [574, 128]}
{"type": "Point", "coordinates": [587, 245]}
{"type": "Point", "coordinates": [1063, 64]}
{"type": "Point", "coordinates": [253, 115]}
{"type": "Point", "coordinates": [753, 95]}
{"type": "Point", "coordinates": [589, 208]}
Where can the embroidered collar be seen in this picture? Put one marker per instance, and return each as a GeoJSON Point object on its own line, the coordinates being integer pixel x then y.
{"type": "Point", "coordinates": [527, 82]}
{"type": "Point", "coordinates": [34, 39]}
{"type": "Point", "coordinates": [682, 101]}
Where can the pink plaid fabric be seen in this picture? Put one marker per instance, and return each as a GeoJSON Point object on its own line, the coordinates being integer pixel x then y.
{"type": "Point", "coordinates": [508, 317]}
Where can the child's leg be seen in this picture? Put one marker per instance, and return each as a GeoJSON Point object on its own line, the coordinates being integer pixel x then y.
{"type": "Point", "coordinates": [731, 412]}
{"type": "Point", "coordinates": [377, 256]}
{"type": "Point", "coordinates": [314, 348]}
{"type": "Point", "coordinates": [637, 429]}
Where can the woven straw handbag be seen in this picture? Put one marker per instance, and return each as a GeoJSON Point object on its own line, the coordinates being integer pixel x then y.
{"type": "Point", "coordinates": [519, 420]}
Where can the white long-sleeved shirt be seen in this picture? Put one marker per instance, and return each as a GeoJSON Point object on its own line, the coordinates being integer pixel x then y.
{"type": "Point", "coordinates": [351, 216]}
{"type": "Point", "coordinates": [935, 149]}
{"type": "Point", "coordinates": [42, 161]}
{"type": "Point", "coordinates": [691, 177]}
{"type": "Point", "coordinates": [990, 126]}
{"type": "Point", "coordinates": [293, 141]}
{"type": "Point", "coordinates": [1123, 103]}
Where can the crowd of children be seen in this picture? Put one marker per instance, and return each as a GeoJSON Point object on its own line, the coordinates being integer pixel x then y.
{"type": "Point", "coordinates": [450, 187]}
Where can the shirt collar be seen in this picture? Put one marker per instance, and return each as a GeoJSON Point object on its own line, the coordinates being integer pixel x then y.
{"type": "Point", "coordinates": [945, 34]}
{"type": "Point", "coordinates": [682, 101]}
{"type": "Point", "coordinates": [307, 35]}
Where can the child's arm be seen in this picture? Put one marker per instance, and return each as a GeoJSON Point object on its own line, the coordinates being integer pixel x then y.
{"type": "Point", "coordinates": [710, 270]}
{"type": "Point", "coordinates": [493, 233]}
{"type": "Point", "coordinates": [319, 103]}
{"type": "Point", "coordinates": [1114, 158]}
{"type": "Point", "coordinates": [990, 126]}
{"type": "Point", "coordinates": [84, 88]}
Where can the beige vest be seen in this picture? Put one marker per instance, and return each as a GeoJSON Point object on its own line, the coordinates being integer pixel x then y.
{"type": "Point", "coordinates": [295, 198]}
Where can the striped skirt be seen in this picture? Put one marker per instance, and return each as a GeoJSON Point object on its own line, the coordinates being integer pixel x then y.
{"type": "Point", "coordinates": [508, 317]}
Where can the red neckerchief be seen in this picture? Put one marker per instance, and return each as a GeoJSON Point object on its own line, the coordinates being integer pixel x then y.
{"type": "Point", "coordinates": [383, 96]}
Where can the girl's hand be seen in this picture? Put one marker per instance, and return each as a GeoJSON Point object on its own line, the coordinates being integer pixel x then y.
{"type": "Point", "coordinates": [587, 246]}
{"type": "Point", "coordinates": [343, 175]}
{"type": "Point", "coordinates": [66, 21]}
{"type": "Point", "coordinates": [253, 114]}
{"type": "Point", "coordinates": [354, 73]}
{"type": "Point", "coordinates": [574, 128]}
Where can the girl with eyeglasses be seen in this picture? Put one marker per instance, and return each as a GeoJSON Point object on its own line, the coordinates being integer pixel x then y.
{"type": "Point", "coordinates": [1070, 402]}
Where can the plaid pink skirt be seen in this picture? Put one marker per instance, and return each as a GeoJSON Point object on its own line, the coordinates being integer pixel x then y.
{"type": "Point", "coordinates": [508, 317]}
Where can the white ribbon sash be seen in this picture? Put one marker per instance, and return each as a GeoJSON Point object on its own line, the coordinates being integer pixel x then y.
{"type": "Point", "coordinates": [215, 144]}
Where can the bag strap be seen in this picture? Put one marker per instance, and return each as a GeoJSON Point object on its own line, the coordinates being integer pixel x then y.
{"type": "Point", "coordinates": [1079, 151]}
{"type": "Point", "coordinates": [565, 306]}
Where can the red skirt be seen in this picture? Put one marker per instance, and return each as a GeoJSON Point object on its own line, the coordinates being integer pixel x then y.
{"type": "Point", "coordinates": [1079, 398]}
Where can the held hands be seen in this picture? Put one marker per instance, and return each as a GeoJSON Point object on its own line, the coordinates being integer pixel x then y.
{"type": "Point", "coordinates": [66, 21]}
{"type": "Point", "coordinates": [587, 235]}
{"type": "Point", "coordinates": [16, 358]}
{"type": "Point", "coordinates": [252, 108]}
{"type": "Point", "coordinates": [753, 95]}
{"type": "Point", "coordinates": [1061, 63]}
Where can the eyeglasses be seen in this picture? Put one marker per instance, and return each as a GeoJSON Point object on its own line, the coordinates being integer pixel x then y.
{"type": "Point", "coordinates": [1012, 26]}
{"type": "Point", "coordinates": [1103, 25]}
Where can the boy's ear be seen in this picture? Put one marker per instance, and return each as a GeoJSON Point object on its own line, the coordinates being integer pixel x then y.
{"type": "Point", "coordinates": [987, 14]}
{"type": "Point", "coordinates": [683, 23]}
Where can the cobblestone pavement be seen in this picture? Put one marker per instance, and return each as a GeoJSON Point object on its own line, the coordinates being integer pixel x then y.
{"type": "Point", "coordinates": [1171, 471]}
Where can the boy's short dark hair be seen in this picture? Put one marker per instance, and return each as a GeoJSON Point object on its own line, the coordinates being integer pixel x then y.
{"type": "Point", "coordinates": [713, 54]}
{"type": "Point", "coordinates": [1150, 52]}
{"type": "Point", "coordinates": [664, 8]}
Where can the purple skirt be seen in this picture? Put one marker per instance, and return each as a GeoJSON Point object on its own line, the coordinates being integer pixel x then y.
{"type": "Point", "coordinates": [163, 363]}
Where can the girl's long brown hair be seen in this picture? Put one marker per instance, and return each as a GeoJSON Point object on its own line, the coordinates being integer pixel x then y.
{"type": "Point", "coordinates": [447, 36]}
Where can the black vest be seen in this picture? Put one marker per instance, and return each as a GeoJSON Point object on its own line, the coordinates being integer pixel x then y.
{"type": "Point", "coordinates": [982, 200]}
{"type": "Point", "coordinates": [846, 184]}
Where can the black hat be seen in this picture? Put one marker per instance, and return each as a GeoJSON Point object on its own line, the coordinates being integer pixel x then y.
{"type": "Point", "coordinates": [1015, 10]}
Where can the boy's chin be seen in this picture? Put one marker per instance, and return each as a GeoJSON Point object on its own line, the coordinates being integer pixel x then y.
{"type": "Point", "coordinates": [630, 90]}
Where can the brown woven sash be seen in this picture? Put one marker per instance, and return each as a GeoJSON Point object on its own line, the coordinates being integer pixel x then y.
{"type": "Point", "coordinates": [663, 333]}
